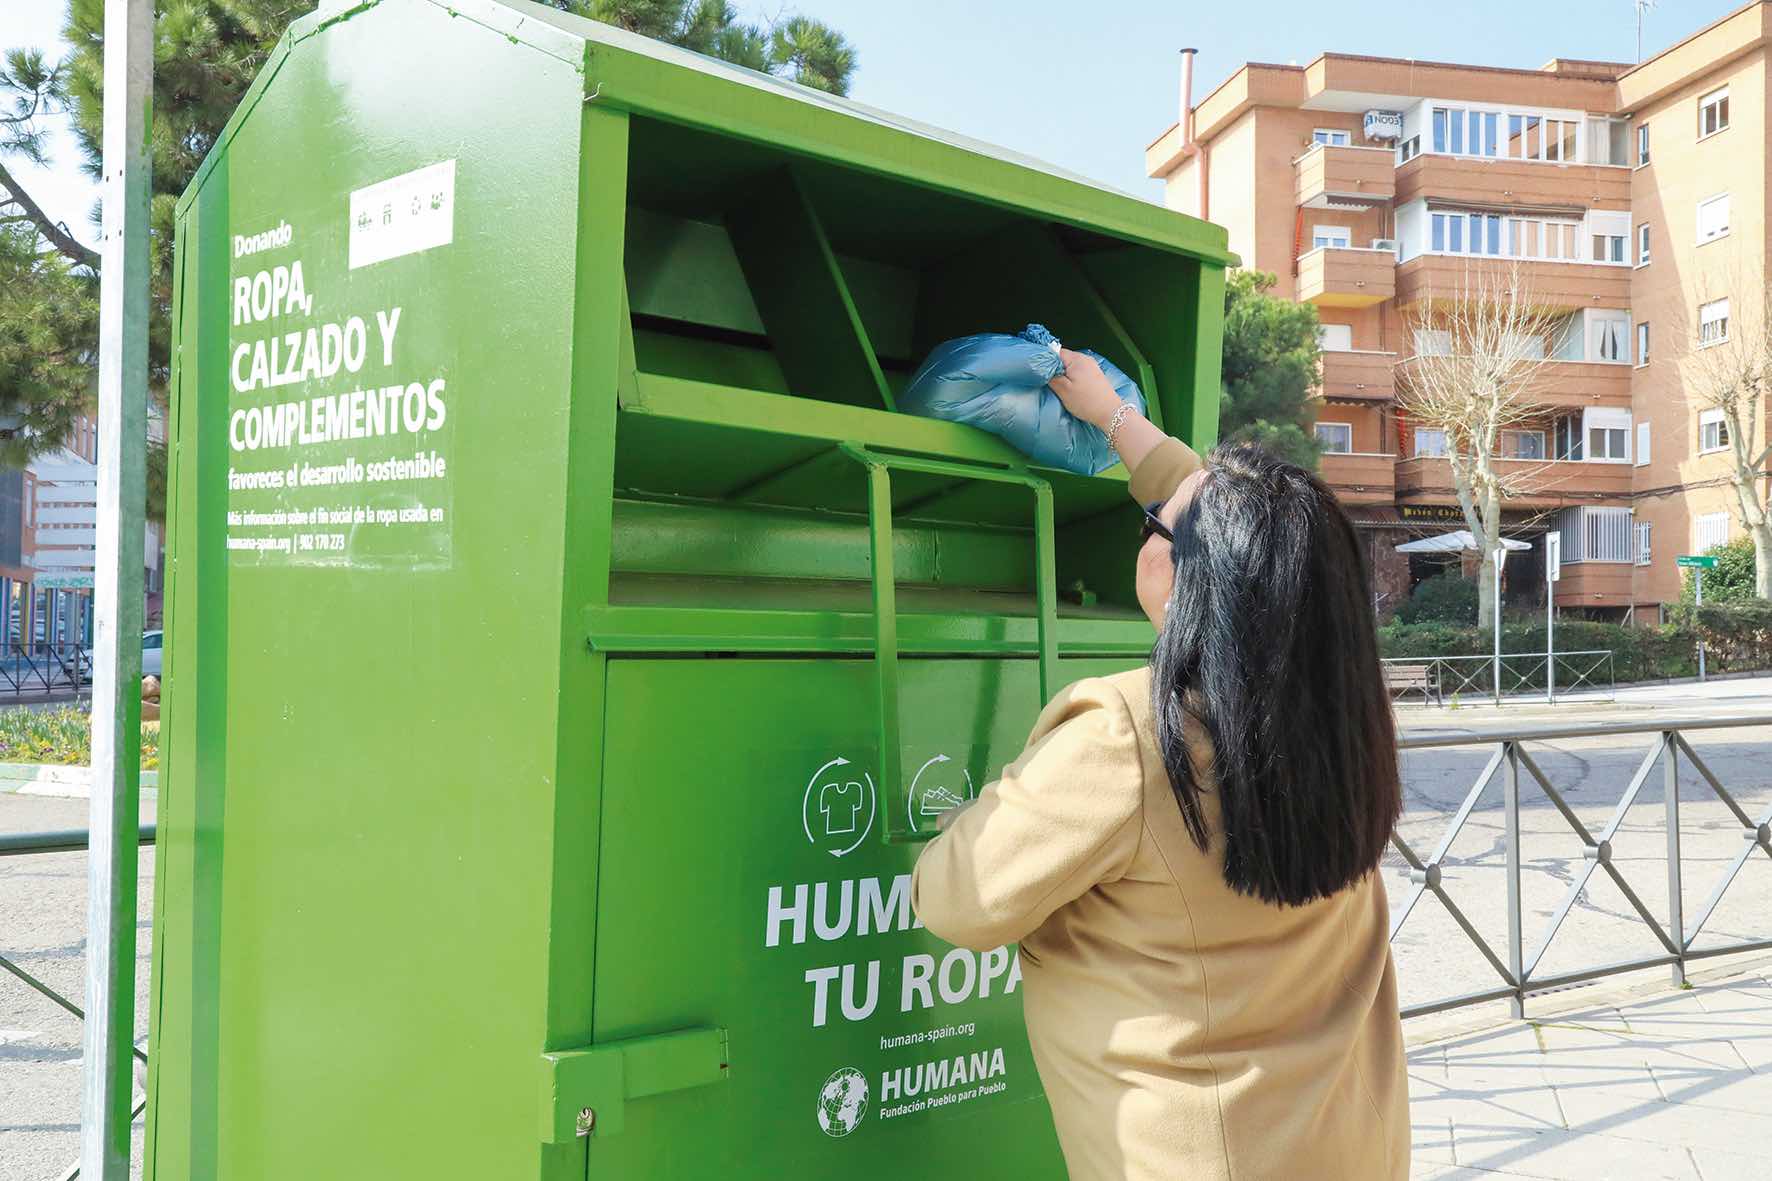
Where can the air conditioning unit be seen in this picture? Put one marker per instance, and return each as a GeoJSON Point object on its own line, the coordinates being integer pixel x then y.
{"type": "Point", "coordinates": [1389, 244]}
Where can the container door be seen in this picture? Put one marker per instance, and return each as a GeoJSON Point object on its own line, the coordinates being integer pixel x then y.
{"type": "Point", "coordinates": [743, 885]}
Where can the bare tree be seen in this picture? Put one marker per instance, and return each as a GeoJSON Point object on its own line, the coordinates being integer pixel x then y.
{"type": "Point", "coordinates": [1479, 351]}
{"type": "Point", "coordinates": [1726, 366]}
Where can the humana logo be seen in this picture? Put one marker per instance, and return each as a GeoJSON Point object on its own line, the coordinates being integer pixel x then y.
{"type": "Point", "coordinates": [269, 240]}
{"type": "Point", "coordinates": [930, 1077]}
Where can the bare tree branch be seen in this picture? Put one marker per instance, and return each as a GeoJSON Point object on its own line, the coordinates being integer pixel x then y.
{"type": "Point", "coordinates": [53, 231]}
{"type": "Point", "coordinates": [1479, 351]}
{"type": "Point", "coordinates": [1726, 366]}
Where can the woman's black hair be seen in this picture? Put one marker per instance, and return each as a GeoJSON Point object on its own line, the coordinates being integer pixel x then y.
{"type": "Point", "coordinates": [1269, 648]}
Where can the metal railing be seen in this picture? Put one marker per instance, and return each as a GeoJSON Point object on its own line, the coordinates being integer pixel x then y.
{"type": "Point", "coordinates": [43, 669]}
{"type": "Point", "coordinates": [1518, 971]}
{"type": "Point", "coordinates": [1588, 672]}
{"type": "Point", "coordinates": [71, 840]}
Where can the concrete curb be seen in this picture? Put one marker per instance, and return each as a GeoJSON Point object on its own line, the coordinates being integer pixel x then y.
{"type": "Point", "coordinates": [60, 780]}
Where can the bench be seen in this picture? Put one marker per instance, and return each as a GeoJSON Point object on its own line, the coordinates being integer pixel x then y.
{"type": "Point", "coordinates": [1402, 678]}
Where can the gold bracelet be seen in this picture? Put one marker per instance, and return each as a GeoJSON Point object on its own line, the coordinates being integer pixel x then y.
{"type": "Point", "coordinates": [1116, 422]}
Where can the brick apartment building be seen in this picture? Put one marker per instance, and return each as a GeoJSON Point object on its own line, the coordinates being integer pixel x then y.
{"type": "Point", "coordinates": [1630, 197]}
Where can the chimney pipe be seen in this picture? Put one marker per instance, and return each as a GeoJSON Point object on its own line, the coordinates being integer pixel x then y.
{"type": "Point", "coordinates": [1185, 125]}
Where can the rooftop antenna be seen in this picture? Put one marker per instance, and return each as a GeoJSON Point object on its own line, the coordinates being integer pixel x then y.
{"type": "Point", "coordinates": [1642, 6]}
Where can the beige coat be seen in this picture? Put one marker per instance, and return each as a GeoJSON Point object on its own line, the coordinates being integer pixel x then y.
{"type": "Point", "coordinates": [1183, 1032]}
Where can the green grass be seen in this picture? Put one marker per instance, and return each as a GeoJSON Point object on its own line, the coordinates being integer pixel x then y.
{"type": "Point", "coordinates": [62, 735]}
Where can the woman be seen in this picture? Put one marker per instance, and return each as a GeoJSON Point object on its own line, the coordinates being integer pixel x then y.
{"type": "Point", "coordinates": [1188, 853]}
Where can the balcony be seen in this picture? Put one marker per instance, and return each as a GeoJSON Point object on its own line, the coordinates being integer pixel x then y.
{"type": "Point", "coordinates": [1344, 177]}
{"type": "Point", "coordinates": [1358, 376]}
{"type": "Point", "coordinates": [1558, 285]}
{"type": "Point", "coordinates": [1533, 483]}
{"type": "Point", "coordinates": [1575, 384]}
{"type": "Point", "coordinates": [1486, 181]}
{"type": "Point", "coordinates": [1595, 584]}
{"type": "Point", "coordinates": [1360, 477]}
{"type": "Point", "coordinates": [1347, 276]}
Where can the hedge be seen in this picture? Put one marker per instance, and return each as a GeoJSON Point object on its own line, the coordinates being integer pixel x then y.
{"type": "Point", "coordinates": [1737, 636]}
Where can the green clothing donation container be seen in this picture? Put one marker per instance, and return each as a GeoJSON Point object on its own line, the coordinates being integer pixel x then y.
{"type": "Point", "coordinates": [569, 640]}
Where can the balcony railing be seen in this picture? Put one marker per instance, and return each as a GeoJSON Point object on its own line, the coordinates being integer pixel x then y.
{"type": "Point", "coordinates": [1360, 477]}
{"type": "Point", "coordinates": [1532, 483]}
{"type": "Point", "coordinates": [1341, 177]}
{"type": "Point", "coordinates": [1595, 583]}
{"type": "Point", "coordinates": [1347, 276]}
{"type": "Point", "coordinates": [1489, 181]}
{"type": "Point", "coordinates": [1359, 375]}
{"type": "Point", "coordinates": [1583, 383]}
{"type": "Point", "coordinates": [1560, 285]}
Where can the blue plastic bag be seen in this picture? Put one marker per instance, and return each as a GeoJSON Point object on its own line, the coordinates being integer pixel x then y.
{"type": "Point", "coordinates": [998, 383]}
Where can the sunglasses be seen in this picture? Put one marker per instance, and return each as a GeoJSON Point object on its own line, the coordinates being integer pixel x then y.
{"type": "Point", "coordinates": [1153, 525]}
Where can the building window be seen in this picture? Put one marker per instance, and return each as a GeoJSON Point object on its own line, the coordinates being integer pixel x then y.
{"type": "Point", "coordinates": [1609, 334]}
{"type": "Point", "coordinates": [1642, 343]}
{"type": "Point", "coordinates": [1409, 149]}
{"type": "Point", "coordinates": [1339, 236]}
{"type": "Point", "coordinates": [1608, 444]}
{"type": "Point", "coordinates": [1566, 437]}
{"type": "Point", "coordinates": [1330, 137]}
{"type": "Point", "coordinates": [1644, 534]}
{"type": "Point", "coordinates": [1642, 444]}
{"type": "Point", "coordinates": [1430, 442]}
{"type": "Point", "coordinates": [1608, 247]}
{"type": "Point", "coordinates": [1713, 218]}
{"type": "Point", "coordinates": [1335, 338]}
{"type": "Point", "coordinates": [1522, 444]}
{"type": "Point", "coordinates": [1713, 322]}
{"type": "Point", "coordinates": [1713, 431]}
{"type": "Point", "coordinates": [1643, 244]}
{"type": "Point", "coordinates": [1594, 534]}
{"type": "Point", "coordinates": [1709, 530]}
{"type": "Point", "coordinates": [1713, 112]}
{"type": "Point", "coordinates": [1336, 438]}
{"type": "Point", "coordinates": [1433, 342]}
{"type": "Point", "coordinates": [1642, 144]}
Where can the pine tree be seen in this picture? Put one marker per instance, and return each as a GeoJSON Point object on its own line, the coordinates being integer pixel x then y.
{"type": "Point", "coordinates": [206, 54]}
{"type": "Point", "coordinates": [1270, 369]}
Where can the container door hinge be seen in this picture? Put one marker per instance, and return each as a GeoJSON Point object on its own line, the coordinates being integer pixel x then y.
{"type": "Point", "coordinates": [585, 1091]}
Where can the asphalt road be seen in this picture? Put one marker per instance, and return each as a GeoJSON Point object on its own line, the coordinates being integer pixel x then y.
{"type": "Point", "coordinates": [43, 899]}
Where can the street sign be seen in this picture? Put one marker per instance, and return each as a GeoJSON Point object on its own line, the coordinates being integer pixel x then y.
{"type": "Point", "coordinates": [1707, 562]}
{"type": "Point", "coordinates": [1553, 557]}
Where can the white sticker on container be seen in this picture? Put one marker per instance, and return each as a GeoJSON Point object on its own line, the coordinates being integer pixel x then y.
{"type": "Point", "coordinates": [403, 215]}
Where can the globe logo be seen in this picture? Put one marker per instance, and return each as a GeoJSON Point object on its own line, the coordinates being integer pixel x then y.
{"type": "Point", "coordinates": [842, 1101]}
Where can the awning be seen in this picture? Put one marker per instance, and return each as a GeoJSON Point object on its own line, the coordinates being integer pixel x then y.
{"type": "Point", "coordinates": [1452, 543]}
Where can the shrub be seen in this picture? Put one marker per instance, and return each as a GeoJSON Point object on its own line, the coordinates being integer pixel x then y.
{"type": "Point", "coordinates": [1737, 635]}
{"type": "Point", "coordinates": [1733, 579]}
{"type": "Point", "coordinates": [1445, 598]}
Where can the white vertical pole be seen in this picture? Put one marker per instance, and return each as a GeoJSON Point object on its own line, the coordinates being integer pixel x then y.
{"type": "Point", "coordinates": [1553, 560]}
{"type": "Point", "coordinates": [1698, 593]}
{"type": "Point", "coordinates": [1500, 557]}
{"type": "Point", "coordinates": [108, 1067]}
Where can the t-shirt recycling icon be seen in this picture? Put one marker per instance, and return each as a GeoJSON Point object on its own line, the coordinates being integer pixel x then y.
{"type": "Point", "coordinates": [837, 811]}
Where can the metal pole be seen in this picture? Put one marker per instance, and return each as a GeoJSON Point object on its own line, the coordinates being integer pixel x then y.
{"type": "Point", "coordinates": [1552, 556]}
{"type": "Point", "coordinates": [1670, 790]}
{"type": "Point", "coordinates": [1516, 944]}
{"type": "Point", "coordinates": [1500, 557]}
{"type": "Point", "coordinates": [108, 1067]}
{"type": "Point", "coordinates": [1698, 575]}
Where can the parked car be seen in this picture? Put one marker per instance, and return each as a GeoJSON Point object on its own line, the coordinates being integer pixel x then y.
{"type": "Point", "coordinates": [153, 645]}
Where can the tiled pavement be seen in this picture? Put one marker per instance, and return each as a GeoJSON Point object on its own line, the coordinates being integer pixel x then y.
{"type": "Point", "coordinates": [1675, 1084]}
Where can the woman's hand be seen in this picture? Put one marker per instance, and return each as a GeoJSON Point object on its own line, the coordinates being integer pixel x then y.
{"type": "Point", "coordinates": [1085, 390]}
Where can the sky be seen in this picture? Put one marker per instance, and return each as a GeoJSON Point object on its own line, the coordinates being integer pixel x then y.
{"type": "Point", "coordinates": [1087, 86]}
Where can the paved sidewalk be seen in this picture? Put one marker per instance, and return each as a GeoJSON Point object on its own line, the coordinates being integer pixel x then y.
{"type": "Point", "coordinates": [1676, 1084]}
